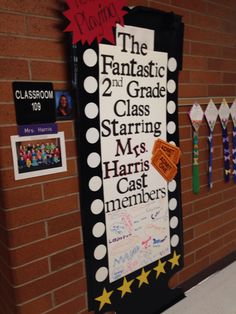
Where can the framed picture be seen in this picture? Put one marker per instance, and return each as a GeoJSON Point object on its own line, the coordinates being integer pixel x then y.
{"type": "Point", "coordinates": [64, 105]}
{"type": "Point", "coordinates": [38, 155]}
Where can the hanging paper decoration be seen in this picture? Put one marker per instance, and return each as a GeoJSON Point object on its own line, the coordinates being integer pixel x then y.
{"type": "Point", "coordinates": [196, 116]}
{"type": "Point", "coordinates": [211, 115]}
{"type": "Point", "coordinates": [233, 115]}
{"type": "Point", "coordinates": [90, 20]}
{"type": "Point", "coordinates": [224, 113]}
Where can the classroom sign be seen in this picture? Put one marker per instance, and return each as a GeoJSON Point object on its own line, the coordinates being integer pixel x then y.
{"type": "Point", "coordinates": [129, 163]}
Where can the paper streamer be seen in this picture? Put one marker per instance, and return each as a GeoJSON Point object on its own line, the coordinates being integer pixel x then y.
{"type": "Point", "coordinates": [224, 113]}
{"type": "Point", "coordinates": [211, 114]}
{"type": "Point", "coordinates": [196, 116]}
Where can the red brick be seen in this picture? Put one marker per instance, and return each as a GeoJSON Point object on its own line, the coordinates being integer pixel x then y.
{"type": "Point", "coordinates": [207, 226]}
{"type": "Point", "coordinates": [195, 219]}
{"type": "Point", "coordinates": [221, 11]}
{"type": "Point", "coordinates": [221, 90]}
{"type": "Point", "coordinates": [205, 77]}
{"type": "Point", "coordinates": [48, 283]}
{"type": "Point", "coordinates": [222, 252]}
{"type": "Point", "coordinates": [44, 27]}
{"type": "Point", "coordinates": [45, 247]}
{"type": "Point", "coordinates": [63, 223]}
{"type": "Point", "coordinates": [5, 133]}
{"type": "Point", "coordinates": [168, 8]}
{"type": "Point", "coordinates": [31, 271]}
{"type": "Point", "coordinates": [194, 5]}
{"type": "Point", "coordinates": [36, 306]}
{"type": "Point", "coordinates": [66, 257]}
{"type": "Point", "coordinates": [184, 77]}
{"type": "Point", "coordinates": [208, 201]}
{"type": "Point", "coordinates": [43, 210]}
{"type": "Point", "coordinates": [201, 49]}
{"type": "Point", "coordinates": [71, 148]}
{"type": "Point", "coordinates": [194, 63]}
{"type": "Point", "coordinates": [5, 158]}
{"type": "Point", "coordinates": [208, 36]}
{"type": "Point", "coordinates": [196, 243]}
{"type": "Point", "coordinates": [33, 7]}
{"type": "Point", "coordinates": [31, 48]}
{"type": "Point", "coordinates": [67, 127]}
{"type": "Point", "coordinates": [70, 307]}
{"type": "Point", "coordinates": [26, 234]}
{"type": "Point", "coordinates": [189, 260]}
{"type": "Point", "coordinates": [22, 196]}
{"type": "Point", "coordinates": [8, 179]}
{"type": "Point", "coordinates": [7, 114]}
{"type": "Point", "coordinates": [12, 23]}
{"type": "Point", "coordinates": [221, 208]}
{"type": "Point", "coordinates": [193, 90]}
{"type": "Point", "coordinates": [173, 282]}
{"type": "Point", "coordinates": [206, 21]}
{"type": "Point", "coordinates": [14, 69]}
{"type": "Point", "coordinates": [49, 71]}
{"type": "Point", "coordinates": [60, 187]}
{"type": "Point", "coordinates": [229, 78]}
{"type": "Point", "coordinates": [72, 290]}
{"type": "Point", "coordinates": [188, 235]}
{"type": "Point", "coordinates": [208, 249]}
{"type": "Point", "coordinates": [189, 272]}
{"type": "Point", "coordinates": [6, 92]}
{"type": "Point", "coordinates": [223, 230]}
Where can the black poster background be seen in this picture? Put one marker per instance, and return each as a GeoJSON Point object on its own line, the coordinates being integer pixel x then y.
{"type": "Point", "coordinates": [104, 296]}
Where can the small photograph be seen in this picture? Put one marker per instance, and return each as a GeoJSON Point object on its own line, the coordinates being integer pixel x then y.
{"type": "Point", "coordinates": [64, 105]}
{"type": "Point", "coordinates": [38, 155]}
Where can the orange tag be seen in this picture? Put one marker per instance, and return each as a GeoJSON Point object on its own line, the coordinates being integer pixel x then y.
{"type": "Point", "coordinates": [162, 163]}
{"type": "Point", "coordinates": [170, 150]}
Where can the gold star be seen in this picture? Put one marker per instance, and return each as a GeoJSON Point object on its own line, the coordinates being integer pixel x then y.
{"type": "Point", "coordinates": [143, 277]}
{"type": "Point", "coordinates": [104, 298]}
{"type": "Point", "coordinates": [174, 260]}
{"type": "Point", "coordinates": [125, 288]}
{"type": "Point", "coordinates": [160, 268]}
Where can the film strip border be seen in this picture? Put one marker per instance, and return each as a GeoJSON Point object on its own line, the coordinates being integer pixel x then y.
{"type": "Point", "coordinates": [94, 228]}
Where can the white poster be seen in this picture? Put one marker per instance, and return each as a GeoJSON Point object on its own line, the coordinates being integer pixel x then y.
{"type": "Point", "coordinates": [132, 82]}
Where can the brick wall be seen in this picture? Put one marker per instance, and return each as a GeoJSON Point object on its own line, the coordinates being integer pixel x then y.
{"type": "Point", "coordinates": [41, 249]}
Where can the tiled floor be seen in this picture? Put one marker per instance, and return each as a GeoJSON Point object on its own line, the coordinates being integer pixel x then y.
{"type": "Point", "coordinates": [215, 295]}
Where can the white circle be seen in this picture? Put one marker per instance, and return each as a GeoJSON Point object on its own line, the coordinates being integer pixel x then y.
{"type": "Point", "coordinates": [97, 207]}
{"type": "Point", "coordinates": [100, 252]}
{"type": "Point", "coordinates": [172, 64]}
{"type": "Point", "coordinates": [171, 107]}
{"type": "Point", "coordinates": [92, 135]}
{"type": "Point", "coordinates": [98, 229]}
{"type": "Point", "coordinates": [174, 240]}
{"type": "Point", "coordinates": [90, 84]}
{"type": "Point", "coordinates": [171, 127]}
{"type": "Point", "coordinates": [174, 222]}
{"type": "Point", "coordinates": [172, 186]}
{"type": "Point", "coordinates": [90, 57]}
{"type": "Point", "coordinates": [93, 160]}
{"type": "Point", "coordinates": [101, 274]}
{"type": "Point", "coordinates": [95, 183]}
{"type": "Point", "coordinates": [172, 143]}
{"type": "Point", "coordinates": [171, 86]}
{"type": "Point", "coordinates": [91, 110]}
{"type": "Point", "coordinates": [172, 204]}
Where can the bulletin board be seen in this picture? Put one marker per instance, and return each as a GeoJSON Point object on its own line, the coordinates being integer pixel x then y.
{"type": "Point", "coordinates": [130, 196]}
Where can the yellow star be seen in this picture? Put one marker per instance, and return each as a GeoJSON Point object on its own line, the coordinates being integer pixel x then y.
{"type": "Point", "coordinates": [104, 298]}
{"type": "Point", "coordinates": [160, 268]}
{"type": "Point", "coordinates": [143, 277]}
{"type": "Point", "coordinates": [174, 260]}
{"type": "Point", "coordinates": [125, 288]}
